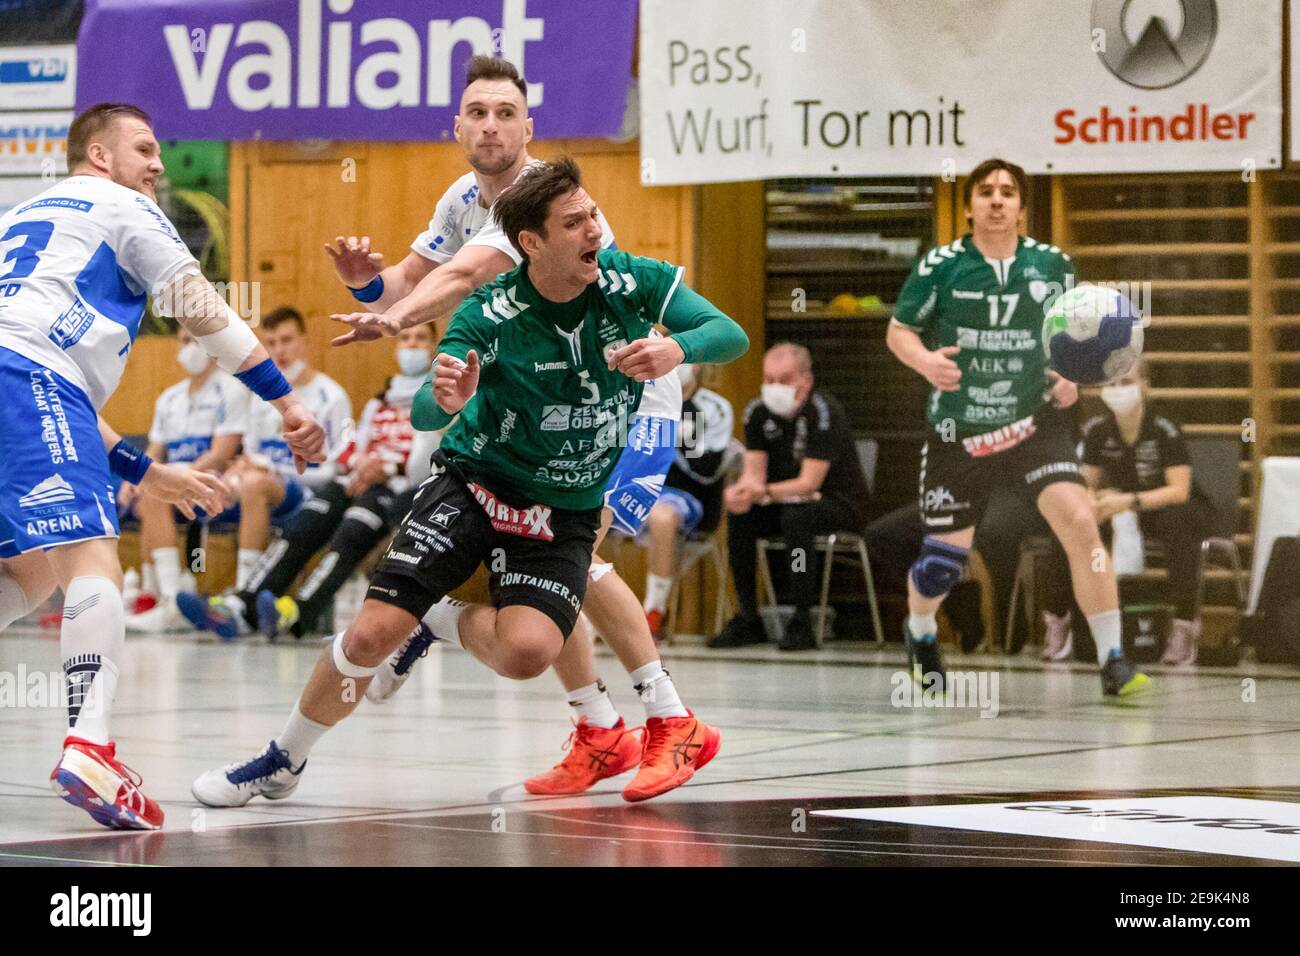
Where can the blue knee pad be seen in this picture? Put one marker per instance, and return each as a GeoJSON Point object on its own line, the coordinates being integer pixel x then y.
{"type": "Point", "coordinates": [938, 568]}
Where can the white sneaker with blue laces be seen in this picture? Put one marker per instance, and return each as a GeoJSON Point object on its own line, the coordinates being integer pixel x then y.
{"type": "Point", "coordinates": [393, 673]}
{"type": "Point", "coordinates": [269, 775]}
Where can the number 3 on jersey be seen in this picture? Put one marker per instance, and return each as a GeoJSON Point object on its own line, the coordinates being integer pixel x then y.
{"type": "Point", "coordinates": [26, 256]}
{"type": "Point", "coordinates": [1008, 302]}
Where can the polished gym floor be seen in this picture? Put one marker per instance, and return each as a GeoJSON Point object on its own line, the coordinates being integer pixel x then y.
{"type": "Point", "coordinates": [433, 777]}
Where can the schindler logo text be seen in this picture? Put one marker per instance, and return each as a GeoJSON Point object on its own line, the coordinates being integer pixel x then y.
{"type": "Point", "coordinates": [75, 908]}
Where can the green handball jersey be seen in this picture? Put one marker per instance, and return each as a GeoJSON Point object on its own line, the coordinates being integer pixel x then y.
{"type": "Point", "coordinates": [993, 311]}
{"type": "Point", "coordinates": [549, 418]}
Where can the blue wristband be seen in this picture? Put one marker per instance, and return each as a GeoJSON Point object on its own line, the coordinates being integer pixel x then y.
{"type": "Point", "coordinates": [370, 291]}
{"type": "Point", "coordinates": [265, 381]}
{"type": "Point", "coordinates": [128, 462]}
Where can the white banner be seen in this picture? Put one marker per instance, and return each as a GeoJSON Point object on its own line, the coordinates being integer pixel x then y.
{"type": "Point", "coordinates": [1262, 829]}
{"type": "Point", "coordinates": [38, 77]}
{"type": "Point", "coordinates": [1294, 80]}
{"type": "Point", "coordinates": [754, 89]}
{"type": "Point", "coordinates": [34, 143]}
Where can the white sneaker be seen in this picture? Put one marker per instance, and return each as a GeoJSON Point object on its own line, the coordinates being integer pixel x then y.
{"type": "Point", "coordinates": [393, 673]}
{"type": "Point", "coordinates": [1059, 642]}
{"type": "Point", "coordinates": [269, 775]}
{"type": "Point", "coordinates": [162, 619]}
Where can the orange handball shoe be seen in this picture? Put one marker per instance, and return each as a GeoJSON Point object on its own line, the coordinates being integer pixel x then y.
{"type": "Point", "coordinates": [91, 777]}
{"type": "Point", "coordinates": [597, 753]}
{"type": "Point", "coordinates": [675, 747]}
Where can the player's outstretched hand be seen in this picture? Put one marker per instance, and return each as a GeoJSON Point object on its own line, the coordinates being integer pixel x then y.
{"type": "Point", "coordinates": [366, 327]}
{"type": "Point", "coordinates": [355, 264]}
{"type": "Point", "coordinates": [454, 381]}
{"type": "Point", "coordinates": [941, 371]}
{"type": "Point", "coordinates": [645, 359]}
{"type": "Point", "coordinates": [185, 488]}
{"type": "Point", "coordinates": [304, 435]}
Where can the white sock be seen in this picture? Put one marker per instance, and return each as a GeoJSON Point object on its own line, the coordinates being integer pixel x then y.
{"type": "Point", "coordinates": [1105, 634]}
{"type": "Point", "coordinates": [91, 641]}
{"type": "Point", "coordinates": [593, 703]}
{"type": "Point", "coordinates": [248, 558]}
{"type": "Point", "coordinates": [444, 620]}
{"type": "Point", "coordinates": [657, 691]}
{"type": "Point", "coordinates": [13, 599]}
{"type": "Point", "coordinates": [922, 625]}
{"type": "Point", "coordinates": [299, 736]}
{"type": "Point", "coordinates": [656, 593]}
{"type": "Point", "coordinates": [148, 579]}
{"type": "Point", "coordinates": [167, 567]}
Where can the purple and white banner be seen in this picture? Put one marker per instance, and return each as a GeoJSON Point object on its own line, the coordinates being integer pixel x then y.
{"type": "Point", "coordinates": [351, 69]}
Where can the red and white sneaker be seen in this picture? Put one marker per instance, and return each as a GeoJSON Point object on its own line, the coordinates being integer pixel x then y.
{"type": "Point", "coordinates": [596, 754]}
{"type": "Point", "coordinates": [675, 747]}
{"type": "Point", "coordinates": [144, 602]}
{"type": "Point", "coordinates": [91, 777]}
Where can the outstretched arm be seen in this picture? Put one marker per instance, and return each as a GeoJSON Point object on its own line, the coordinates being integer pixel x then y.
{"type": "Point", "coordinates": [436, 295]}
{"type": "Point", "coordinates": [190, 299]}
{"type": "Point", "coordinates": [181, 486]}
{"type": "Point", "coordinates": [357, 268]}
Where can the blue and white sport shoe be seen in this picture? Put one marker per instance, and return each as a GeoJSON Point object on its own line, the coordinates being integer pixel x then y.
{"type": "Point", "coordinates": [269, 775]}
{"type": "Point", "coordinates": [393, 673]}
{"type": "Point", "coordinates": [209, 614]}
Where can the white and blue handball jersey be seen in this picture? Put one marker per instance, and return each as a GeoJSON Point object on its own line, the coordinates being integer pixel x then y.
{"type": "Point", "coordinates": [76, 265]}
{"type": "Point", "coordinates": [459, 218]}
{"type": "Point", "coordinates": [329, 404]}
{"type": "Point", "coordinates": [185, 422]}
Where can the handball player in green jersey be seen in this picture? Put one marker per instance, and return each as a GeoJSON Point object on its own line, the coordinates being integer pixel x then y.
{"type": "Point", "coordinates": [969, 320]}
{"type": "Point", "coordinates": [544, 367]}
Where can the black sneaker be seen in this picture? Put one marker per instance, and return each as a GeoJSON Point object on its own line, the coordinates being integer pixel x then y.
{"type": "Point", "coordinates": [739, 632]}
{"type": "Point", "coordinates": [1119, 678]}
{"type": "Point", "coordinates": [798, 634]}
{"type": "Point", "coordinates": [924, 660]}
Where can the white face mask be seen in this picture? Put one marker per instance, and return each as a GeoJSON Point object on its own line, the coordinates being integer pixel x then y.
{"type": "Point", "coordinates": [292, 371]}
{"type": "Point", "coordinates": [780, 399]}
{"type": "Point", "coordinates": [413, 361]}
{"type": "Point", "coordinates": [686, 375]}
{"type": "Point", "coordinates": [1122, 399]}
{"type": "Point", "coordinates": [193, 359]}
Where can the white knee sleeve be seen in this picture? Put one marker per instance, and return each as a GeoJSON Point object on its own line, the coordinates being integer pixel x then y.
{"type": "Point", "coordinates": [345, 666]}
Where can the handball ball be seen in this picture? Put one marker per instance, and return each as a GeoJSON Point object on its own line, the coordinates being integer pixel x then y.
{"type": "Point", "coordinates": [1092, 334]}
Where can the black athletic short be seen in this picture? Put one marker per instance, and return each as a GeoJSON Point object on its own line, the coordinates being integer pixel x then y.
{"type": "Point", "coordinates": [536, 556]}
{"type": "Point", "coordinates": [958, 476]}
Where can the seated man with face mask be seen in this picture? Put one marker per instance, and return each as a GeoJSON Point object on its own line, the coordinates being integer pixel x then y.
{"type": "Point", "coordinates": [348, 517]}
{"type": "Point", "coordinates": [198, 422]}
{"type": "Point", "coordinates": [1135, 460]}
{"type": "Point", "coordinates": [801, 478]}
